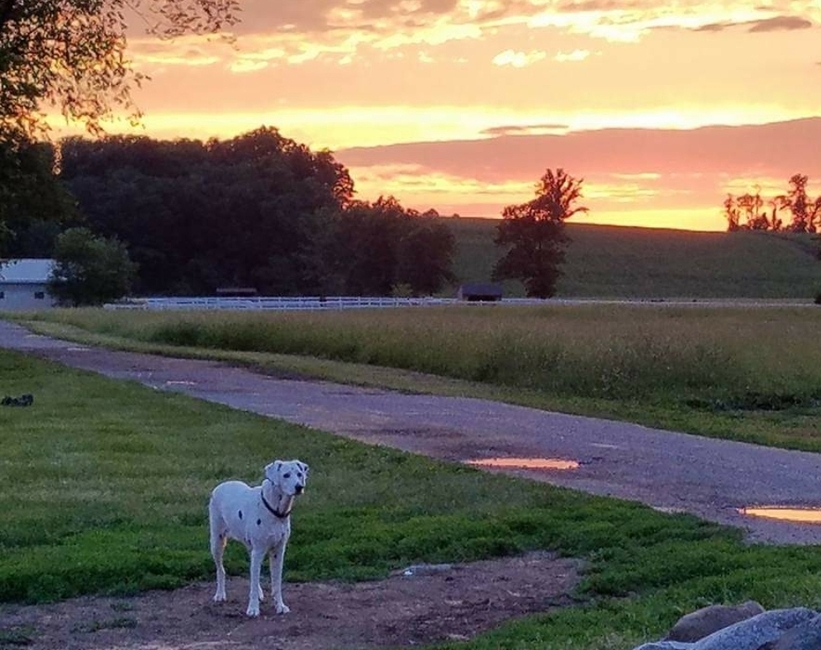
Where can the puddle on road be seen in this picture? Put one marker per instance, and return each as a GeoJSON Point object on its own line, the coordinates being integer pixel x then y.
{"type": "Point", "coordinates": [784, 513]}
{"type": "Point", "coordinates": [524, 463]}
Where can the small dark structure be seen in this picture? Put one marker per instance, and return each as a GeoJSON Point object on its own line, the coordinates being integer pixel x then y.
{"type": "Point", "coordinates": [480, 292]}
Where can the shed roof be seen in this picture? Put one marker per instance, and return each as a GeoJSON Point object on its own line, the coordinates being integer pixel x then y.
{"type": "Point", "coordinates": [481, 288]}
{"type": "Point", "coordinates": [25, 271]}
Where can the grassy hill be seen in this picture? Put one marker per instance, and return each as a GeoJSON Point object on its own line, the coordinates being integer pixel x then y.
{"type": "Point", "coordinates": [614, 261]}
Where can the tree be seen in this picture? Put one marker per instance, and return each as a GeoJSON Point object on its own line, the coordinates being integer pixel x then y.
{"type": "Point", "coordinates": [425, 257]}
{"type": "Point", "coordinates": [732, 213]}
{"type": "Point", "coordinates": [89, 270]}
{"type": "Point", "coordinates": [383, 249]}
{"type": "Point", "coordinates": [34, 206]}
{"type": "Point", "coordinates": [252, 211]}
{"type": "Point", "coordinates": [534, 231]}
{"type": "Point", "coordinates": [804, 210]}
{"type": "Point", "coordinates": [71, 54]}
{"type": "Point", "coordinates": [367, 246]}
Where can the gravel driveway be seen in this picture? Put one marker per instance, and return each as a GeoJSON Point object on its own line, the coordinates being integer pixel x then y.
{"type": "Point", "coordinates": [664, 469]}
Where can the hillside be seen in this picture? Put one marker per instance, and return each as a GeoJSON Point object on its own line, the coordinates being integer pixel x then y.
{"type": "Point", "coordinates": [614, 261]}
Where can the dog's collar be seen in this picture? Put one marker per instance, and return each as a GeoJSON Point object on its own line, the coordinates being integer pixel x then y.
{"type": "Point", "coordinates": [274, 511]}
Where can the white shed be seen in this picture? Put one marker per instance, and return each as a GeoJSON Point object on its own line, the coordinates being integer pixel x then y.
{"type": "Point", "coordinates": [23, 284]}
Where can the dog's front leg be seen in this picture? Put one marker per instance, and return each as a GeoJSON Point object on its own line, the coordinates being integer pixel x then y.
{"type": "Point", "coordinates": [276, 559]}
{"type": "Point", "coordinates": [253, 592]}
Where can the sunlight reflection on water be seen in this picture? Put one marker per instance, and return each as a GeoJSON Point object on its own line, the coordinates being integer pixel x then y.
{"type": "Point", "coordinates": [802, 515]}
{"type": "Point", "coordinates": [525, 463]}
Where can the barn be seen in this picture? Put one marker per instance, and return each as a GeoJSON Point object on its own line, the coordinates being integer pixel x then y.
{"type": "Point", "coordinates": [23, 284]}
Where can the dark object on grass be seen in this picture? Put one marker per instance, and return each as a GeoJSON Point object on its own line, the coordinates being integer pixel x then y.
{"type": "Point", "coordinates": [24, 400]}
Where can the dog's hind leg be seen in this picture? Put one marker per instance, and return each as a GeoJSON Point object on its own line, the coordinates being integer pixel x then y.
{"type": "Point", "coordinates": [218, 540]}
{"type": "Point", "coordinates": [257, 556]}
{"type": "Point", "coordinates": [276, 558]}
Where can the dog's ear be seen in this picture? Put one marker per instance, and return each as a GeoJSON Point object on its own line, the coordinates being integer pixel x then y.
{"type": "Point", "coordinates": [272, 470]}
{"type": "Point", "coordinates": [303, 467]}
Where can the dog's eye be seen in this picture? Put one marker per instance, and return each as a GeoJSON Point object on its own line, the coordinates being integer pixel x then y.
{"type": "Point", "coordinates": [286, 475]}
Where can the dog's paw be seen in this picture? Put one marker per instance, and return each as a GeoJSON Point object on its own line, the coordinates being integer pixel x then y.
{"type": "Point", "coordinates": [220, 597]}
{"type": "Point", "coordinates": [282, 608]}
{"type": "Point", "coordinates": [252, 611]}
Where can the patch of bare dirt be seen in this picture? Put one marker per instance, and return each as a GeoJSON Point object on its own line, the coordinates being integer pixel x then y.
{"type": "Point", "coordinates": [436, 603]}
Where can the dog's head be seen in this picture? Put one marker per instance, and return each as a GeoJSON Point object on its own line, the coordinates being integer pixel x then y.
{"type": "Point", "coordinates": [290, 476]}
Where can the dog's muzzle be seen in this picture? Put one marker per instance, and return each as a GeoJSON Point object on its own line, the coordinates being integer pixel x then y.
{"type": "Point", "coordinates": [298, 489]}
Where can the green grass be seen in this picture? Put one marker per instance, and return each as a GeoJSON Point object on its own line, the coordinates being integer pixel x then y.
{"type": "Point", "coordinates": [750, 374]}
{"type": "Point", "coordinates": [104, 486]}
{"type": "Point", "coordinates": [613, 261]}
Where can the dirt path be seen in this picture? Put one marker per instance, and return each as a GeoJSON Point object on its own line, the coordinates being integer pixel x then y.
{"type": "Point", "coordinates": [444, 603]}
{"type": "Point", "coordinates": [667, 470]}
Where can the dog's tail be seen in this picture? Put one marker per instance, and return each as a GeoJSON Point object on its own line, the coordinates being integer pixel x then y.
{"type": "Point", "coordinates": [217, 526]}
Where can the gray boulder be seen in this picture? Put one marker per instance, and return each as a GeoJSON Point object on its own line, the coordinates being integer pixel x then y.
{"type": "Point", "coordinates": [703, 622]}
{"type": "Point", "coordinates": [755, 632]}
{"type": "Point", "coordinates": [805, 636]}
{"type": "Point", "coordinates": [665, 645]}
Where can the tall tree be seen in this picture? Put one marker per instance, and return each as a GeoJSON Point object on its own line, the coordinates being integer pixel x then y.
{"type": "Point", "coordinates": [804, 210]}
{"type": "Point", "coordinates": [535, 234]}
{"type": "Point", "coordinates": [71, 54]}
{"type": "Point", "coordinates": [732, 213]}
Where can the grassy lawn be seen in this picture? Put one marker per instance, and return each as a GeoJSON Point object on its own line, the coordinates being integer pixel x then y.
{"type": "Point", "coordinates": [104, 486]}
{"type": "Point", "coordinates": [751, 374]}
{"type": "Point", "coordinates": [613, 261]}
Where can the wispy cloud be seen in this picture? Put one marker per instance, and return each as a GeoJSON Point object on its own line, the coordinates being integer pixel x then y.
{"type": "Point", "coordinates": [308, 30]}
{"type": "Point", "coordinates": [189, 51]}
{"type": "Point", "coordinates": [525, 129]}
{"type": "Point", "coordinates": [763, 25]}
{"type": "Point", "coordinates": [572, 57]}
{"type": "Point", "coordinates": [248, 65]}
{"type": "Point", "coordinates": [778, 23]}
{"type": "Point", "coordinates": [518, 59]}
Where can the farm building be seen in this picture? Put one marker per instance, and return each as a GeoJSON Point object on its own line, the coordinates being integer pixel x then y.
{"type": "Point", "coordinates": [479, 291]}
{"type": "Point", "coordinates": [23, 284]}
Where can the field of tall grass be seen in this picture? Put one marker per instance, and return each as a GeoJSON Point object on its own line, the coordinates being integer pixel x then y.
{"type": "Point", "coordinates": [749, 374]}
{"type": "Point", "coordinates": [610, 351]}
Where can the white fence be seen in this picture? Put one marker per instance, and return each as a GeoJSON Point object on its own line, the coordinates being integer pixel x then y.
{"type": "Point", "coordinates": [278, 303]}
{"type": "Point", "coordinates": [317, 303]}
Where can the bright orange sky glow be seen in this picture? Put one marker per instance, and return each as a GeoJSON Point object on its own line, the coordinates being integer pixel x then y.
{"type": "Point", "coordinates": [460, 105]}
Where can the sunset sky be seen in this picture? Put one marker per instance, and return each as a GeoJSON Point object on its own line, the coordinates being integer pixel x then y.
{"type": "Point", "coordinates": [460, 105]}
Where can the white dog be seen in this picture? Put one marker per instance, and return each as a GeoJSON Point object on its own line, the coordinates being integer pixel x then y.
{"type": "Point", "coordinates": [260, 518]}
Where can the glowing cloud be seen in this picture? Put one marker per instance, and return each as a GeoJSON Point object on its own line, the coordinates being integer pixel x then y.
{"type": "Point", "coordinates": [574, 56]}
{"type": "Point", "coordinates": [518, 59]}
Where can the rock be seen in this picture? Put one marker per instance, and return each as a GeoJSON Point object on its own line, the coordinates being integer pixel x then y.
{"type": "Point", "coordinates": [754, 632]}
{"type": "Point", "coordinates": [805, 636]}
{"type": "Point", "coordinates": [665, 645]}
{"type": "Point", "coordinates": [703, 622]}
{"type": "Point", "coordinates": [425, 569]}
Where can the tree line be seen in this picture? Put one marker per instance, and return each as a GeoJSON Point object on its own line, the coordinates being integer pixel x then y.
{"type": "Point", "coordinates": [257, 211]}
{"type": "Point", "coordinates": [794, 211]}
